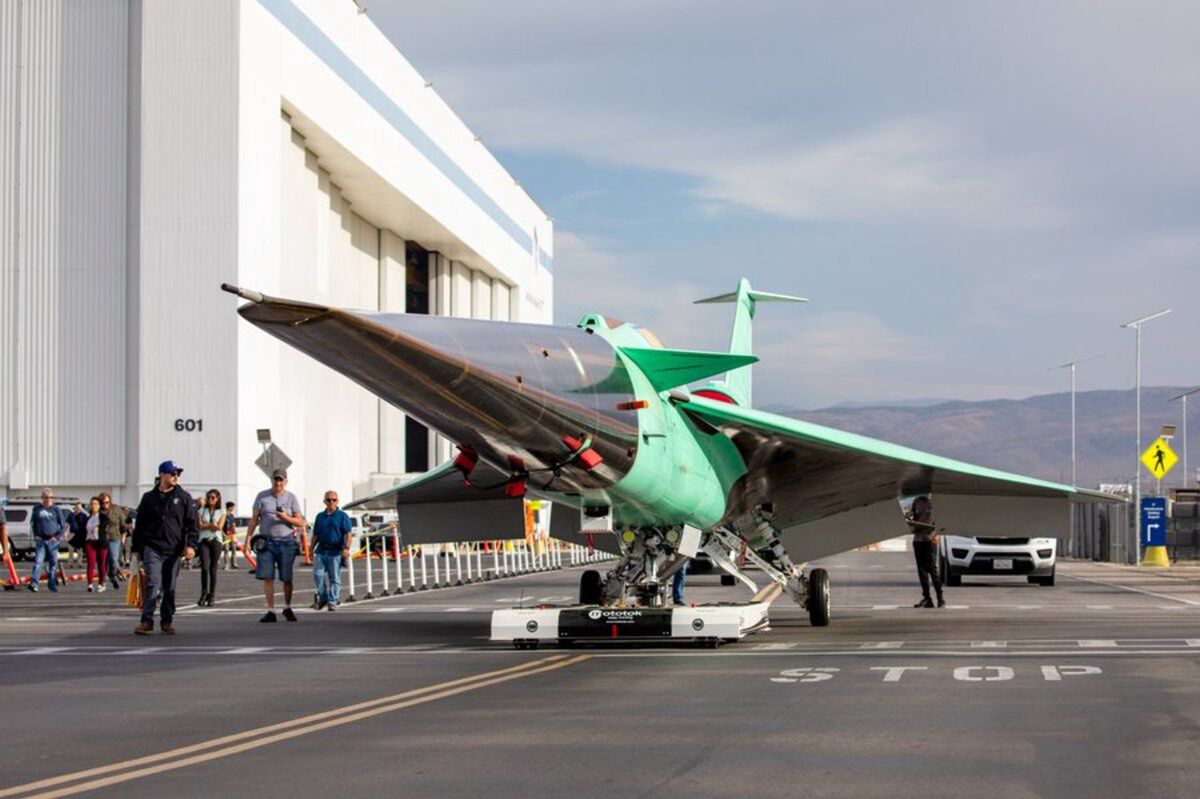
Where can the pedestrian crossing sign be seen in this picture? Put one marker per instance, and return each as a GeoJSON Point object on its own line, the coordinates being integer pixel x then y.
{"type": "Point", "coordinates": [1159, 458]}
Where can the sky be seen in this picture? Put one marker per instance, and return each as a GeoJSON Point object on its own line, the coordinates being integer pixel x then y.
{"type": "Point", "coordinates": [968, 193]}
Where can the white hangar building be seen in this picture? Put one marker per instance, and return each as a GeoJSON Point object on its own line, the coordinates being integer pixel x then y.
{"type": "Point", "coordinates": [150, 151]}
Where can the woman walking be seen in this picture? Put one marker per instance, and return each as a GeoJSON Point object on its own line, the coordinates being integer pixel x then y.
{"type": "Point", "coordinates": [96, 546]}
{"type": "Point", "coordinates": [211, 526]}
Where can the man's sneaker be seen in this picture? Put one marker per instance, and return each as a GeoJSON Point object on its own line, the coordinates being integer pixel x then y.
{"type": "Point", "coordinates": [32, 587]}
{"type": "Point", "coordinates": [924, 603]}
{"type": "Point", "coordinates": [289, 614]}
{"type": "Point", "coordinates": [144, 628]}
{"type": "Point", "coordinates": [91, 588]}
{"type": "Point", "coordinates": [168, 628]}
{"type": "Point", "coordinates": [331, 607]}
{"type": "Point", "coordinates": [269, 617]}
{"type": "Point", "coordinates": [941, 603]}
{"type": "Point", "coordinates": [100, 589]}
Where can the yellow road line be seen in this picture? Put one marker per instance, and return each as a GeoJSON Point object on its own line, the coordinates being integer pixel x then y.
{"type": "Point", "coordinates": [284, 730]}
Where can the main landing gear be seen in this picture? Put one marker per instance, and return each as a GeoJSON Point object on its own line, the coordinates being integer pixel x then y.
{"type": "Point", "coordinates": [763, 547]}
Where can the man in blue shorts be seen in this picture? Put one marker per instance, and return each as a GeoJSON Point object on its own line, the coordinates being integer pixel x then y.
{"type": "Point", "coordinates": [276, 517]}
{"type": "Point", "coordinates": [331, 531]}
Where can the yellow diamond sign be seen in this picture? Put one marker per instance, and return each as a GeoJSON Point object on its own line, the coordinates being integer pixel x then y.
{"type": "Point", "coordinates": [1159, 458]}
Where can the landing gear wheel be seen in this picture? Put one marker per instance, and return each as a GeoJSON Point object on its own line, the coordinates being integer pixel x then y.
{"type": "Point", "coordinates": [818, 598]}
{"type": "Point", "coordinates": [728, 580]}
{"type": "Point", "coordinates": [591, 588]}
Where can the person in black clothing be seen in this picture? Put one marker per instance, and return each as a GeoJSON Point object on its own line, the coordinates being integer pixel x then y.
{"type": "Point", "coordinates": [165, 530]}
{"type": "Point", "coordinates": [77, 521]}
{"type": "Point", "coordinates": [920, 520]}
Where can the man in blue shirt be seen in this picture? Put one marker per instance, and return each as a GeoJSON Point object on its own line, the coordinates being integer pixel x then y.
{"type": "Point", "coordinates": [331, 531]}
{"type": "Point", "coordinates": [48, 524]}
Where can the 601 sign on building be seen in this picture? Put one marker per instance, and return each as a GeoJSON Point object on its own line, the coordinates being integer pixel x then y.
{"type": "Point", "coordinates": [189, 425]}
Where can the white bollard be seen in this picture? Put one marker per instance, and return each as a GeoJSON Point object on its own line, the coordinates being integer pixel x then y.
{"type": "Point", "coordinates": [468, 559]}
{"type": "Point", "coordinates": [350, 577]}
{"type": "Point", "coordinates": [495, 560]}
{"type": "Point", "coordinates": [447, 561]}
{"type": "Point", "coordinates": [424, 576]}
{"type": "Point", "coordinates": [384, 560]}
{"type": "Point", "coordinates": [458, 574]}
{"type": "Point", "coordinates": [412, 571]}
{"type": "Point", "coordinates": [399, 566]}
{"type": "Point", "coordinates": [479, 562]}
{"type": "Point", "coordinates": [370, 587]}
{"type": "Point", "coordinates": [504, 558]}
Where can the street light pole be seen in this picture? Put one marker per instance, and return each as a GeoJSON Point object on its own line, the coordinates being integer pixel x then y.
{"type": "Point", "coordinates": [1071, 365]}
{"type": "Point", "coordinates": [1136, 324]}
{"type": "Point", "coordinates": [1074, 481]}
{"type": "Point", "coordinates": [1183, 401]}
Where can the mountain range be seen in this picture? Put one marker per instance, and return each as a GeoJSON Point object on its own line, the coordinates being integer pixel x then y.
{"type": "Point", "coordinates": [1030, 436]}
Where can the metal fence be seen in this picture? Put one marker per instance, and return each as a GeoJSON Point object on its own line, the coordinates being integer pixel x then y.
{"type": "Point", "coordinates": [382, 566]}
{"type": "Point", "coordinates": [1101, 532]}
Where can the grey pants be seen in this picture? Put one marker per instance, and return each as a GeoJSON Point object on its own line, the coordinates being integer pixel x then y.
{"type": "Point", "coordinates": [161, 572]}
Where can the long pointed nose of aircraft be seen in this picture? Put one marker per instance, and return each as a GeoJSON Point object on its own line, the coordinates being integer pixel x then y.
{"type": "Point", "coordinates": [521, 396]}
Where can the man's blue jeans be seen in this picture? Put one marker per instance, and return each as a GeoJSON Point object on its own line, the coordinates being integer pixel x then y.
{"type": "Point", "coordinates": [161, 571]}
{"type": "Point", "coordinates": [327, 576]}
{"type": "Point", "coordinates": [678, 582]}
{"type": "Point", "coordinates": [114, 558]}
{"type": "Point", "coordinates": [45, 550]}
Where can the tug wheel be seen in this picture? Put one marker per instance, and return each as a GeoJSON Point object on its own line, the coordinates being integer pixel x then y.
{"type": "Point", "coordinates": [818, 598]}
{"type": "Point", "coordinates": [591, 588]}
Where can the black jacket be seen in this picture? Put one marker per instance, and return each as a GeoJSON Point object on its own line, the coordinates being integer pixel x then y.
{"type": "Point", "coordinates": [165, 522]}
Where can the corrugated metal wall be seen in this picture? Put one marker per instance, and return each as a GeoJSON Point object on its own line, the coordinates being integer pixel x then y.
{"type": "Point", "coordinates": [63, 172]}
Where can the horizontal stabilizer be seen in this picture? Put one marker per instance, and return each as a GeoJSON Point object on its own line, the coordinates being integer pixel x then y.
{"type": "Point", "coordinates": [757, 296]}
{"type": "Point", "coordinates": [666, 369]}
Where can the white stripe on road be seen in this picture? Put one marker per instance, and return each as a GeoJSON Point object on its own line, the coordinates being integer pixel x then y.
{"type": "Point", "coordinates": [1190, 602]}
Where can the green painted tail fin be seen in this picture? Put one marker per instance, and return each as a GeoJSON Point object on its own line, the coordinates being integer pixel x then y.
{"type": "Point", "coordinates": [737, 381]}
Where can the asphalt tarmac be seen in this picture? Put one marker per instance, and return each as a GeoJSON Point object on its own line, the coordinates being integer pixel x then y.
{"type": "Point", "coordinates": [1090, 688]}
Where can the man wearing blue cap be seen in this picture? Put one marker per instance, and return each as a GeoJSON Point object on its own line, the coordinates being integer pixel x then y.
{"type": "Point", "coordinates": [165, 529]}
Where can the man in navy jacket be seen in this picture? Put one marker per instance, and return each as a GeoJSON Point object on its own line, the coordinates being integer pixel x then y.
{"type": "Point", "coordinates": [164, 530]}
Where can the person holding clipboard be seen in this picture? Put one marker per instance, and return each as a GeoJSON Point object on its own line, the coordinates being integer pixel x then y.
{"type": "Point", "coordinates": [925, 539]}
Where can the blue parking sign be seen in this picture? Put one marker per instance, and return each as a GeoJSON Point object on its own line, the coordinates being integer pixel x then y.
{"type": "Point", "coordinates": [1154, 522]}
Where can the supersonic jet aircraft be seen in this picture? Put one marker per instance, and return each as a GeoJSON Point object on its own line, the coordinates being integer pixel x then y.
{"type": "Point", "coordinates": [598, 418]}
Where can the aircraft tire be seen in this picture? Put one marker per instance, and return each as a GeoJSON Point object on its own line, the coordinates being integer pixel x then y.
{"type": "Point", "coordinates": [818, 598]}
{"type": "Point", "coordinates": [591, 588]}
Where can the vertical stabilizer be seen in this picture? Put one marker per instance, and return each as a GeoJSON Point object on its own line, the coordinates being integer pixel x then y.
{"type": "Point", "coordinates": [737, 381]}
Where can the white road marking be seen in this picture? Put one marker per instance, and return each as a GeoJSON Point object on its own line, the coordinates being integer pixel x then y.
{"type": "Point", "coordinates": [1056, 673]}
{"type": "Point", "coordinates": [1190, 602]}
{"type": "Point", "coordinates": [1100, 607]}
{"type": "Point", "coordinates": [806, 674]}
{"type": "Point", "coordinates": [1098, 643]}
{"type": "Point", "coordinates": [894, 673]}
{"type": "Point", "coordinates": [881, 645]}
{"type": "Point", "coordinates": [989, 644]}
{"type": "Point", "coordinates": [967, 673]}
{"type": "Point", "coordinates": [885, 607]}
{"type": "Point", "coordinates": [772, 647]}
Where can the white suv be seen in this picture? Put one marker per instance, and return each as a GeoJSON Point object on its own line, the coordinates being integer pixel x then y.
{"type": "Point", "coordinates": [1032, 558]}
{"type": "Point", "coordinates": [20, 537]}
